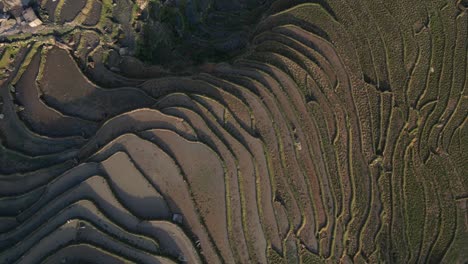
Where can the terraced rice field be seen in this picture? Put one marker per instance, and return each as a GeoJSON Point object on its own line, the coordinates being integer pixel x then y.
{"type": "Point", "coordinates": [338, 135]}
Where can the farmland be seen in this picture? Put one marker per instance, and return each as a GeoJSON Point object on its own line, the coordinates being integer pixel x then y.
{"type": "Point", "coordinates": [211, 131]}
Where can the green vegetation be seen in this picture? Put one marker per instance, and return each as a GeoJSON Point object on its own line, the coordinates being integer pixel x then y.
{"type": "Point", "coordinates": [178, 36]}
{"type": "Point", "coordinates": [8, 55]}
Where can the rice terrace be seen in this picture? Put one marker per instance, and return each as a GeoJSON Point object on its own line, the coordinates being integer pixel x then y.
{"type": "Point", "coordinates": [233, 131]}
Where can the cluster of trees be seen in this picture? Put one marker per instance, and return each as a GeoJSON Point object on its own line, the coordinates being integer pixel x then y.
{"type": "Point", "coordinates": [178, 34]}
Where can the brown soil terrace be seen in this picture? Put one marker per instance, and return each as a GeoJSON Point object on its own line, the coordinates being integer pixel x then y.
{"type": "Point", "coordinates": [338, 137]}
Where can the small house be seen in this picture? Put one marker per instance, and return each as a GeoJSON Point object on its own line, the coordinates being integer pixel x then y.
{"type": "Point", "coordinates": [8, 5]}
{"type": "Point", "coordinates": [30, 17]}
{"type": "Point", "coordinates": [14, 7]}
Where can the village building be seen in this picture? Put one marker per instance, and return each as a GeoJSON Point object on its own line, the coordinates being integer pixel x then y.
{"type": "Point", "coordinates": [14, 7]}
{"type": "Point", "coordinates": [7, 5]}
{"type": "Point", "coordinates": [20, 10]}
{"type": "Point", "coordinates": [30, 17]}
